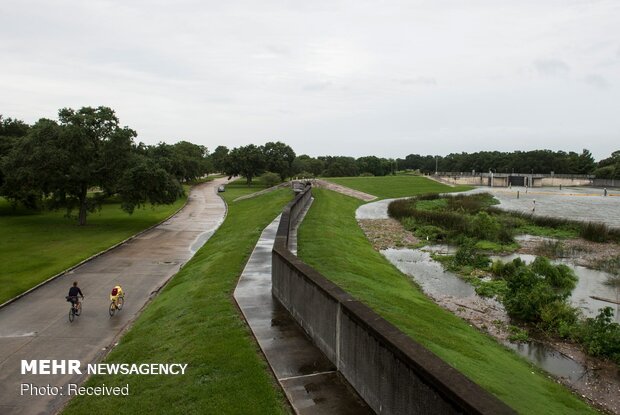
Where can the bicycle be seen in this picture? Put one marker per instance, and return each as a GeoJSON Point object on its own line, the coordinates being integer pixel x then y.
{"type": "Point", "coordinates": [117, 304]}
{"type": "Point", "coordinates": [75, 310]}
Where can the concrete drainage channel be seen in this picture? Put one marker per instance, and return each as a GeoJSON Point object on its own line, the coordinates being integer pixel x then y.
{"type": "Point", "coordinates": [390, 371]}
{"type": "Point", "coordinates": [310, 381]}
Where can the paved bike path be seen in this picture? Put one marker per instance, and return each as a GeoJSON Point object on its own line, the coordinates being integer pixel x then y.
{"type": "Point", "coordinates": [36, 326]}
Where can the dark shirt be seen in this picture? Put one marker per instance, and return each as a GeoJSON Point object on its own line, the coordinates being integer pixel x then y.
{"type": "Point", "coordinates": [74, 291]}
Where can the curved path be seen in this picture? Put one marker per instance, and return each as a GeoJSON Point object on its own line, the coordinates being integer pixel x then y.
{"type": "Point", "coordinates": [577, 203]}
{"type": "Point", "coordinates": [36, 326]}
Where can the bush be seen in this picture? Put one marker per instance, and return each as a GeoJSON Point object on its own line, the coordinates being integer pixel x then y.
{"type": "Point", "coordinates": [559, 317]}
{"type": "Point", "coordinates": [560, 277]}
{"type": "Point", "coordinates": [601, 335]}
{"type": "Point", "coordinates": [367, 174]}
{"type": "Point", "coordinates": [305, 175]}
{"type": "Point", "coordinates": [527, 294]}
{"type": "Point", "coordinates": [430, 233]}
{"type": "Point", "coordinates": [467, 255]}
{"type": "Point", "coordinates": [595, 232]}
{"type": "Point", "coordinates": [518, 335]}
{"type": "Point", "coordinates": [270, 179]}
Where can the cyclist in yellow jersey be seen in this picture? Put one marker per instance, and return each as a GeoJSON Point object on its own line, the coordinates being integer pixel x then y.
{"type": "Point", "coordinates": [117, 292]}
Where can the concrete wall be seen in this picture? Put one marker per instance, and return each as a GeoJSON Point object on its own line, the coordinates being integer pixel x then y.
{"type": "Point", "coordinates": [502, 180]}
{"type": "Point", "coordinates": [391, 372]}
{"type": "Point", "coordinates": [565, 181]}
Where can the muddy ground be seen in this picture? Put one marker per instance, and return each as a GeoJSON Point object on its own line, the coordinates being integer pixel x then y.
{"type": "Point", "coordinates": [600, 385]}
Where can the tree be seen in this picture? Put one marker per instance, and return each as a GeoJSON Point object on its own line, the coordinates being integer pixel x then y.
{"type": "Point", "coordinates": [86, 150]}
{"type": "Point", "coordinates": [305, 163]}
{"type": "Point", "coordinates": [279, 159]}
{"type": "Point", "coordinates": [248, 161]}
{"type": "Point", "coordinates": [218, 158]}
{"type": "Point", "coordinates": [11, 130]}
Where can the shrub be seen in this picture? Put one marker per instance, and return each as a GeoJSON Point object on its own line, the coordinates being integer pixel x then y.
{"type": "Point", "coordinates": [601, 335]}
{"type": "Point", "coordinates": [270, 179]}
{"type": "Point", "coordinates": [558, 316]}
{"type": "Point", "coordinates": [430, 233]}
{"type": "Point", "coordinates": [526, 294]}
{"type": "Point", "coordinates": [595, 232]}
{"type": "Point", "coordinates": [518, 335]}
{"type": "Point", "coordinates": [560, 277]}
{"type": "Point", "coordinates": [467, 255]}
{"type": "Point", "coordinates": [367, 174]}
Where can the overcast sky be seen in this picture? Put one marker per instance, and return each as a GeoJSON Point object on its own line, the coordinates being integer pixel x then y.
{"type": "Point", "coordinates": [387, 78]}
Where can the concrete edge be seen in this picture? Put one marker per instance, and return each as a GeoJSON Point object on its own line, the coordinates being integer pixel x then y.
{"type": "Point", "coordinates": [454, 386]}
{"type": "Point", "coordinates": [61, 273]}
{"type": "Point", "coordinates": [262, 192]}
{"type": "Point", "coordinates": [259, 350]}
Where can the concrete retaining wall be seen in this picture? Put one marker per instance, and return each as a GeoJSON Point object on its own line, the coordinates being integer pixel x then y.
{"type": "Point", "coordinates": [391, 372]}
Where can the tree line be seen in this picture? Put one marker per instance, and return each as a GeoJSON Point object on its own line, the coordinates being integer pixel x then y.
{"type": "Point", "coordinates": [535, 161]}
{"type": "Point", "coordinates": [86, 157]}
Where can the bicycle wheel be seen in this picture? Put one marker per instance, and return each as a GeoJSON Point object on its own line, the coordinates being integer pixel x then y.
{"type": "Point", "coordinates": [71, 314]}
{"type": "Point", "coordinates": [120, 302]}
{"type": "Point", "coordinates": [78, 309]}
{"type": "Point", "coordinates": [112, 308]}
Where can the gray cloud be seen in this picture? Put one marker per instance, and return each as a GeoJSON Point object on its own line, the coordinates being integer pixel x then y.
{"type": "Point", "coordinates": [551, 67]}
{"type": "Point", "coordinates": [317, 86]}
{"type": "Point", "coordinates": [597, 81]}
{"type": "Point", "coordinates": [420, 80]}
{"type": "Point", "coordinates": [368, 75]}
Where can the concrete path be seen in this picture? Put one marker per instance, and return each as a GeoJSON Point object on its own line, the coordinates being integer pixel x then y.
{"type": "Point", "coordinates": [344, 190]}
{"type": "Point", "coordinates": [36, 326]}
{"type": "Point", "coordinates": [310, 381]}
{"type": "Point", "coordinates": [577, 203]}
{"type": "Point", "coordinates": [585, 204]}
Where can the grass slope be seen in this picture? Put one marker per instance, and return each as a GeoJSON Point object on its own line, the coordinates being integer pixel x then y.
{"type": "Point", "coordinates": [385, 187]}
{"type": "Point", "coordinates": [36, 245]}
{"type": "Point", "coordinates": [195, 321]}
{"type": "Point", "coordinates": [331, 241]}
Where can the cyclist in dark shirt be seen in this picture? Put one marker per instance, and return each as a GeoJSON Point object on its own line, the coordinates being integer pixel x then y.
{"type": "Point", "coordinates": [73, 294]}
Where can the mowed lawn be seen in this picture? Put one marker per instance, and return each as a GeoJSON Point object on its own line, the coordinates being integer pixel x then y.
{"type": "Point", "coordinates": [194, 320]}
{"type": "Point", "coordinates": [331, 241]}
{"type": "Point", "coordinates": [37, 245]}
{"type": "Point", "coordinates": [386, 187]}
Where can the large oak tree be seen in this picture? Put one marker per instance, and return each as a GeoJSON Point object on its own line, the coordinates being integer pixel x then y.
{"type": "Point", "coordinates": [85, 151]}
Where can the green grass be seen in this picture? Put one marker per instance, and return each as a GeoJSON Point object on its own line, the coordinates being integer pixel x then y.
{"type": "Point", "coordinates": [386, 187]}
{"type": "Point", "coordinates": [560, 233]}
{"type": "Point", "coordinates": [330, 226]}
{"type": "Point", "coordinates": [195, 321]}
{"type": "Point", "coordinates": [37, 245]}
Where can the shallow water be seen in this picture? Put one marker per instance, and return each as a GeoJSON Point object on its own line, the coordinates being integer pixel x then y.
{"type": "Point", "coordinates": [550, 360]}
{"type": "Point", "coordinates": [438, 283]}
{"type": "Point", "coordinates": [429, 274]}
{"type": "Point", "coordinates": [591, 283]}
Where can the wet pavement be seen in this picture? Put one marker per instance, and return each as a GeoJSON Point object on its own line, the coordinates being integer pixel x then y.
{"type": "Point", "coordinates": [309, 380]}
{"type": "Point", "coordinates": [36, 326]}
{"type": "Point", "coordinates": [577, 203]}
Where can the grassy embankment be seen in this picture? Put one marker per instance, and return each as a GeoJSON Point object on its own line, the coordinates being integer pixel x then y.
{"type": "Point", "coordinates": [394, 186]}
{"type": "Point", "coordinates": [195, 321]}
{"type": "Point", "coordinates": [36, 245]}
{"type": "Point", "coordinates": [330, 227]}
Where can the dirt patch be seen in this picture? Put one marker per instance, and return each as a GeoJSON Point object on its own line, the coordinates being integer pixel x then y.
{"type": "Point", "coordinates": [579, 251]}
{"type": "Point", "coordinates": [387, 233]}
